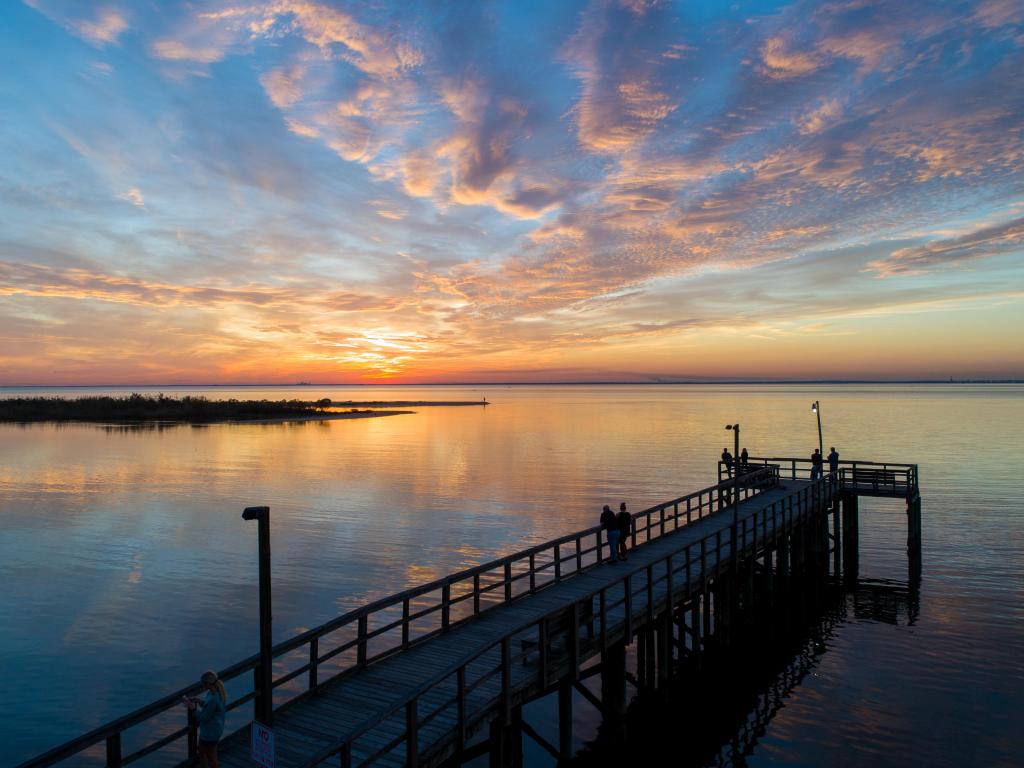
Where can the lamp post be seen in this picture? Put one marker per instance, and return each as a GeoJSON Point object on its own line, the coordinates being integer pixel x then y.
{"type": "Point", "coordinates": [264, 681]}
{"type": "Point", "coordinates": [816, 408]}
{"type": "Point", "coordinates": [735, 428]}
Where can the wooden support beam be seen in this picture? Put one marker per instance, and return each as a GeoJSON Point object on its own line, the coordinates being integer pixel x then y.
{"type": "Point", "coordinates": [546, 745]}
{"type": "Point", "coordinates": [565, 726]}
{"type": "Point", "coordinates": [587, 694]}
{"type": "Point", "coordinates": [613, 680]}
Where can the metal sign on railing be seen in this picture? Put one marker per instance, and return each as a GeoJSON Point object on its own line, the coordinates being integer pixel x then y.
{"type": "Point", "coordinates": [263, 750]}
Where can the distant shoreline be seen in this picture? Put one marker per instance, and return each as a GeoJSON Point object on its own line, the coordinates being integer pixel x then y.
{"type": "Point", "coordinates": [148, 409]}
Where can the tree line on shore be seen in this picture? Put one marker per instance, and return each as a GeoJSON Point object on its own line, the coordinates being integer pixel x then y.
{"type": "Point", "coordinates": [136, 407]}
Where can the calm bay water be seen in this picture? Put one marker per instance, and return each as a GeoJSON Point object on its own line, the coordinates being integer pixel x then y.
{"type": "Point", "coordinates": [126, 568]}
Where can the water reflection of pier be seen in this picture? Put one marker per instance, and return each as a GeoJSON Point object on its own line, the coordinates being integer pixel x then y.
{"type": "Point", "coordinates": [723, 714]}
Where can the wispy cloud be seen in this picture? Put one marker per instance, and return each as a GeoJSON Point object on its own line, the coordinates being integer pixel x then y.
{"type": "Point", "coordinates": [995, 240]}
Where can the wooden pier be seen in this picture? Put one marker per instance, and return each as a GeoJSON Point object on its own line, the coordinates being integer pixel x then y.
{"type": "Point", "coordinates": [438, 674]}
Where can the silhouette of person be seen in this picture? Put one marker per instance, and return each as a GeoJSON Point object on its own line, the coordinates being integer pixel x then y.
{"type": "Point", "coordinates": [816, 464]}
{"type": "Point", "coordinates": [744, 456]}
{"type": "Point", "coordinates": [611, 529]}
{"type": "Point", "coordinates": [833, 460]}
{"type": "Point", "coordinates": [727, 460]}
{"type": "Point", "coordinates": [625, 523]}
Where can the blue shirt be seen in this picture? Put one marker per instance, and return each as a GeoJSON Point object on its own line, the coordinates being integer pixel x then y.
{"type": "Point", "coordinates": [211, 717]}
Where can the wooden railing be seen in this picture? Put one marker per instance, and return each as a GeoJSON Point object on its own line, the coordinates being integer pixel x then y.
{"type": "Point", "coordinates": [582, 629]}
{"type": "Point", "coordinates": [392, 624]}
{"type": "Point", "coordinates": [894, 477]}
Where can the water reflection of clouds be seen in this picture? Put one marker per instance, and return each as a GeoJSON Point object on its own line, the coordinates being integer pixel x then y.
{"type": "Point", "coordinates": [366, 508]}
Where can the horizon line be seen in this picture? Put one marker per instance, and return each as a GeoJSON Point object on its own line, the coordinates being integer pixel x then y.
{"type": "Point", "coordinates": [529, 383]}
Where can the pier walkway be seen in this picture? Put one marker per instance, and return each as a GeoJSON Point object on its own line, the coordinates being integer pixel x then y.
{"type": "Point", "coordinates": [413, 678]}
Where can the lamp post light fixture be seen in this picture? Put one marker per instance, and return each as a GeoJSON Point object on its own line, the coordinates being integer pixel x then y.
{"type": "Point", "coordinates": [264, 681]}
{"type": "Point", "coordinates": [816, 409]}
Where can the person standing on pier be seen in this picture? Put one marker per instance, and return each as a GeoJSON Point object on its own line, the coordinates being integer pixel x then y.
{"type": "Point", "coordinates": [625, 522]}
{"type": "Point", "coordinates": [210, 718]}
{"type": "Point", "coordinates": [816, 464]}
{"type": "Point", "coordinates": [611, 529]}
{"type": "Point", "coordinates": [833, 460]}
{"type": "Point", "coordinates": [744, 457]}
{"type": "Point", "coordinates": [727, 460]}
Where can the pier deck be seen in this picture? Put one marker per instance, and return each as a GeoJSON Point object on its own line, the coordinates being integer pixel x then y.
{"type": "Point", "coordinates": [314, 725]}
{"type": "Point", "coordinates": [411, 679]}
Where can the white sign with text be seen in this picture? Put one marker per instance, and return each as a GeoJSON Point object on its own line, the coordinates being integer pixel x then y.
{"type": "Point", "coordinates": [263, 745]}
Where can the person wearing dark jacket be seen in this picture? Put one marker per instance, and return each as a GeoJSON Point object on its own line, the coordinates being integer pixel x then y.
{"type": "Point", "coordinates": [611, 530]}
{"type": "Point", "coordinates": [625, 523]}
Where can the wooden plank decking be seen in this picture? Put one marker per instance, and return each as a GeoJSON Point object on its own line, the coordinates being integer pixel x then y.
{"type": "Point", "coordinates": [312, 725]}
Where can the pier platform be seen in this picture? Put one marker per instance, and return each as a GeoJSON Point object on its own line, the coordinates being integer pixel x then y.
{"type": "Point", "coordinates": [438, 674]}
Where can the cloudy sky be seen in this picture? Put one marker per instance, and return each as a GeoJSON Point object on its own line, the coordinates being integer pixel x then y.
{"type": "Point", "coordinates": [287, 190]}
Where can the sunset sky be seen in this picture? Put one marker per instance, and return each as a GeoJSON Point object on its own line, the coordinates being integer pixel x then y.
{"type": "Point", "coordinates": [232, 192]}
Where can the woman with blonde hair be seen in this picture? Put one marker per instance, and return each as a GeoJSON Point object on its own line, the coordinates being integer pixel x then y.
{"type": "Point", "coordinates": [210, 717]}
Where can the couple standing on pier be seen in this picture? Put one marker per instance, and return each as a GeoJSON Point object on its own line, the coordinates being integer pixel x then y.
{"type": "Point", "coordinates": [617, 528]}
{"type": "Point", "coordinates": [817, 464]}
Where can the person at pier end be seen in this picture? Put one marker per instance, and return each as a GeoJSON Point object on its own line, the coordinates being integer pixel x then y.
{"type": "Point", "coordinates": [727, 460]}
{"type": "Point", "coordinates": [210, 717]}
{"type": "Point", "coordinates": [816, 464]}
{"type": "Point", "coordinates": [833, 460]}
{"type": "Point", "coordinates": [611, 530]}
{"type": "Point", "coordinates": [625, 522]}
{"type": "Point", "coordinates": [744, 458]}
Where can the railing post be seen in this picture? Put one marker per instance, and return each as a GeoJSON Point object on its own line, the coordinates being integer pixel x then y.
{"type": "Point", "coordinates": [346, 755]}
{"type": "Point", "coordinates": [542, 649]}
{"type": "Point", "coordinates": [193, 737]}
{"type": "Point", "coordinates": [460, 677]}
{"type": "Point", "coordinates": [506, 680]}
{"type": "Point", "coordinates": [405, 616]}
{"type": "Point", "coordinates": [412, 737]}
{"type": "Point", "coordinates": [668, 584]}
{"type": "Point", "coordinates": [688, 590]}
{"type": "Point", "coordinates": [574, 642]}
{"type": "Point", "coordinates": [662, 510]}
{"type": "Point", "coordinates": [508, 581]}
{"type": "Point", "coordinates": [628, 603]}
{"type": "Point", "coordinates": [579, 555]}
{"type": "Point", "coordinates": [476, 593]}
{"type": "Point", "coordinates": [361, 642]}
{"type": "Point", "coordinates": [446, 605]}
{"type": "Point", "coordinates": [114, 750]}
{"type": "Point", "coordinates": [314, 655]}
{"type": "Point", "coordinates": [650, 593]}
{"type": "Point", "coordinates": [533, 572]}
{"type": "Point", "coordinates": [558, 563]}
